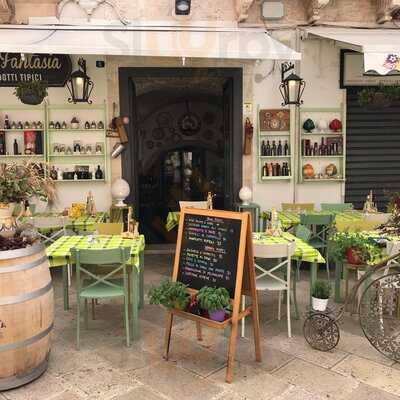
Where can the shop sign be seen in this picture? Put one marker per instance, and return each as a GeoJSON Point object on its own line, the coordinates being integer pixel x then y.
{"type": "Point", "coordinates": [54, 69]}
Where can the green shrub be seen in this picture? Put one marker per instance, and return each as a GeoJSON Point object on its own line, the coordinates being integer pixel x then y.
{"type": "Point", "coordinates": [170, 294]}
{"type": "Point", "coordinates": [212, 299]}
{"type": "Point", "coordinates": [321, 290]}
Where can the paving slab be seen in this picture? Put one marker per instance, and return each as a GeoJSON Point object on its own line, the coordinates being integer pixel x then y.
{"type": "Point", "coordinates": [176, 383]}
{"type": "Point", "coordinates": [140, 393]}
{"type": "Point", "coordinates": [366, 392]}
{"type": "Point", "coordinates": [371, 373]}
{"type": "Point", "coordinates": [297, 393]}
{"type": "Point", "coordinates": [251, 383]}
{"type": "Point", "coordinates": [315, 379]}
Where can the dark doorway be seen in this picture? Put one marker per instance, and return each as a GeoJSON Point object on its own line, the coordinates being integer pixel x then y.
{"type": "Point", "coordinates": [185, 140]}
{"type": "Point", "coordinates": [373, 151]}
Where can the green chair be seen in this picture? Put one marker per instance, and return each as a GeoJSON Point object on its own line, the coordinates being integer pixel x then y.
{"type": "Point", "coordinates": [320, 226]}
{"type": "Point", "coordinates": [90, 285]}
{"type": "Point", "coordinates": [298, 207]}
{"type": "Point", "coordinates": [336, 207]}
{"type": "Point", "coordinates": [303, 233]}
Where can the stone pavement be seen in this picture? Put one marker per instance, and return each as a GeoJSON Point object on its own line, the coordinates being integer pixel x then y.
{"type": "Point", "coordinates": [106, 369]}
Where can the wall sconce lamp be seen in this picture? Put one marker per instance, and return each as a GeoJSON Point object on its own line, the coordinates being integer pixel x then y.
{"type": "Point", "coordinates": [291, 87]}
{"type": "Point", "coordinates": [80, 85]}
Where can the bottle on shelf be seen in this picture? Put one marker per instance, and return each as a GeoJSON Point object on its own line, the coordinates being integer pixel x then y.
{"type": "Point", "coordinates": [2, 143]}
{"type": "Point", "coordinates": [268, 149]}
{"type": "Point", "coordinates": [286, 149]}
{"type": "Point", "coordinates": [15, 145]}
{"type": "Point", "coordinates": [264, 172]}
{"type": "Point", "coordinates": [6, 122]}
{"type": "Point", "coordinates": [59, 174]}
{"type": "Point", "coordinates": [53, 173]}
{"type": "Point", "coordinates": [273, 150]}
{"type": "Point", "coordinates": [263, 150]}
{"type": "Point", "coordinates": [99, 173]}
{"type": "Point", "coordinates": [279, 149]}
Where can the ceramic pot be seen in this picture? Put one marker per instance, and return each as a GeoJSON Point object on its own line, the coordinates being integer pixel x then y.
{"type": "Point", "coordinates": [319, 304]}
{"type": "Point", "coordinates": [7, 221]}
{"type": "Point", "coordinates": [308, 125]}
{"type": "Point", "coordinates": [31, 98]}
{"type": "Point", "coordinates": [352, 257]}
{"type": "Point", "coordinates": [217, 315]}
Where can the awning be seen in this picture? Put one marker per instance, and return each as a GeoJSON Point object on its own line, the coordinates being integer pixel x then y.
{"type": "Point", "coordinates": [231, 43]}
{"type": "Point", "coordinates": [381, 47]}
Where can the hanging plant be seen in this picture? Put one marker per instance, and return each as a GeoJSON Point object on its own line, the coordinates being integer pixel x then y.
{"type": "Point", "coordinates": [31, 93]}
{"type": "Point", "coordinates": [379, 97]}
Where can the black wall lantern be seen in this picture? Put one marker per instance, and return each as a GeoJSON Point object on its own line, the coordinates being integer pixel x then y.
{"type": "Point", "coordinates": [292, 87]}
{"type": "Point", "coordinates": [80, 85]}
{"type": "Point", "coordinates": [182, 7]}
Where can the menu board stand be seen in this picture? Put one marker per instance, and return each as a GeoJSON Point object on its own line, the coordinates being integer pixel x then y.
{"type": "Point", "coordinates": [241, 280]}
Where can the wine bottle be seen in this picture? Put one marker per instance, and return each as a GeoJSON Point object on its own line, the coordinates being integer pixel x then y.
{"type": "Point", "coordinates": [286, 148]}
{"type": "Point", "coordinates": [268, 149]}
{"type": "Point", "coordinates": [263, 151]}
{"type": "Point", "coordinates": [2, 143]}
{"type": "Point", "coordinates": [273, 148]}
{"type": "Point", "coordinates": [99, 173]}
{"type": "Point", "coordinates": [279, 149]}
{"type": "Point", "coordinates": [6, 122]}
{"type": "Point", "coordinates": [15, 147]}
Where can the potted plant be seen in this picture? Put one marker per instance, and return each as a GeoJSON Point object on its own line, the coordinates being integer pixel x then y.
{"type": "Point", "coordinates": [378, 97]}
{"type": "Point", "coordinates": [215, 301]}
{"type": "Point", "coordinates": [18, 183]}
{"type": "Point", "coordinates": [354, 247]}
{"type": "Point", "coordinates": [170, 295]}
{"type": "Point", "coordinates": [32, 92]}
{"type": "Point", "coordinates": [321, 292]}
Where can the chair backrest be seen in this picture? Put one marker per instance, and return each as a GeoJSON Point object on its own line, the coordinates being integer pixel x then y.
{"type": "Point", "coordinates": [193, 204]}
{"type": "Point", "coordinates": [276, 250]}
{"type": "Point", "coordinates": [303, 233]}
{"type": "Point", "coordinates": [49, 222]}
{"type": "Point", "coordinates": [101, 258]}
{"type": "Point", "coordinates": [336, 207]}
{"type": "Point", "coordinates": [109, 228]}
{"type": "Point", "coordinates": [320, 224]}
{"type": "Point", "coordinates": [298, 206]}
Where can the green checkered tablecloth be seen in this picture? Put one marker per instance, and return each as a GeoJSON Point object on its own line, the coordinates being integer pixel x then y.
{"type": "Point", "coordinates": [59, 252]}
{"type": "Point", "coordinates": [352, 220]}
{"type": "Point", "coordinates": [87, 222]}
{"type": "Point", "coordinates": [303, 251]}
{"type": "Point", "coordinates": [172, 220]}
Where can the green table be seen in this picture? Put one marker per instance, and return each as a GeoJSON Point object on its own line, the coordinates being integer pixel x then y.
{"type": "Point", "coordinates": [86, 222]}
{"type": "Point", "coordinates": [303, 251]}
{"type": "Point", "coordinates": [59, 255]}
{"type": "Point", "coordinates": [352, 220]}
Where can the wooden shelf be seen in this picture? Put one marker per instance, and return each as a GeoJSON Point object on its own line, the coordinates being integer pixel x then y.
{"type": "Point", "coordinates": [337, 156]}
{"type": "Point", "coordinates": [23, 130]}
{"type": "Point", "coordinates": [76, 155]}
{"type": "Point", "coordinates": [322, 133]}
{"type": "Point", "coordinates": [323, 180]}
{"type": "Point", "coordinates": [269, 157]}
{"type": "Point", "coordinates": [273, 133]}
{"type": "Point", "coordinates": [22, 156]}
{"type": "Point", "coordinates": [202, 320]}
{"type": "Point", "coordinates": [275, 178]}
{"type": "Point", "coordinates": [79, 180]}
{"type": "Point", "coordinates": [76, 130]}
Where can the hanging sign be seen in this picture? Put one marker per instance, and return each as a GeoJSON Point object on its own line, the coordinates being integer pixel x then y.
{"type": "Point", "coordinates": [55, 69]}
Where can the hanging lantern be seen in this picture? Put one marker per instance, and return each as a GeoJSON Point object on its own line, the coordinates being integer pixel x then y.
{"type": "Point", "coordinates": [292, 87]}
{"type": "Point", "coordinates": [80, 85]}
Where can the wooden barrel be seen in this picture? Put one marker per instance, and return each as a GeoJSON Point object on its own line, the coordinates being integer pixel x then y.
{"type": "Point", "coordinates": [26, 315]}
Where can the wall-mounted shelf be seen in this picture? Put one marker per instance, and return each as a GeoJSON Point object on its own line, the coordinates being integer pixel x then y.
{"type": "Point", "coordinates": [337, 144]}
{"type": "Point", "coordinates": [78, 180]}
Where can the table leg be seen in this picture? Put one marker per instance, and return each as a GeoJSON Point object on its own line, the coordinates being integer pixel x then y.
{"type": "Point", "coordinates": [65, 286]}
{"type": "Point", "coordinates": [313, 276]}
{"type": "Point", "coordinates": [338, 280]}
{"type": "Point", "coordinates": [135, 303]}
{"type": "Point", "coordinates": [141, 277]}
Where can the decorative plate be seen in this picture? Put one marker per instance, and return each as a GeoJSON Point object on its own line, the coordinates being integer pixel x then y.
{"type": "Point", "coordinates": [274, 120]}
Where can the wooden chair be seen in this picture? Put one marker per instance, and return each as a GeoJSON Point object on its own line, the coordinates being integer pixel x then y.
{"type": "Point", "coordinates": [109, 228]}
{"type": "Point", "coordinates": [298, 207]}
{"type": "Point", "coordinates": [270, 279]}
{"type": "Point", "coordinates": [90, 285]}
{"type": "Point", "coordinates": [336, 207]}
{"type": "Point", "coordinates": [320, 226]}
{"type": "Point", "coordinates": [193, 204]}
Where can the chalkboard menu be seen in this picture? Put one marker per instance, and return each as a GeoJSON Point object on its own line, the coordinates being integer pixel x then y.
{"type": "Point", "coordinates": [209, 251]}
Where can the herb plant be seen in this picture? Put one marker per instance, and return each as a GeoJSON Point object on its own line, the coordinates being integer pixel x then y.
{"type": "Point", "coordinates": [321, 290]}
{"type": "Point", "coordinates": [170, 295]}
{"type": "Point", "coordinates": [213, 299]}
{"type": "Point", "coordinates": [31, 88]}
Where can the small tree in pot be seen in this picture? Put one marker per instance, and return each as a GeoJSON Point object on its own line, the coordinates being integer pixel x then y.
{"type": "Point", "coordinates": [321, 292]}
{"type": "Point", "coordinates": [215, 301]}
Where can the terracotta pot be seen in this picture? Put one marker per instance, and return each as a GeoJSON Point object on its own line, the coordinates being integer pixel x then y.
{"type": "Point", "coordinates": [352, 257]}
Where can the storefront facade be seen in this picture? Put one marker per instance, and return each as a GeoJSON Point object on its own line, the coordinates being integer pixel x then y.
{"type": "Point", "coordinates": [320, 67]}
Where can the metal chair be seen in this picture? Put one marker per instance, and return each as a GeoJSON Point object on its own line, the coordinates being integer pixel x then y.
{"type": "Point", "coordinates": [336, 207]}
{"type": "Point", "coordinates": [89, 285]}
{"type": "Point", "coordinates": [269, 279]}
{"type": "Point", "coordinates": [193, 204]}
{"type": "Point", "coordinates": [303, 233]}
{"type": "Point", "coordinates": [49, 228]}
{"type": "Point", "coordinates": [320, 226]}
{"type": "Point", "coordinates": [298, 207]}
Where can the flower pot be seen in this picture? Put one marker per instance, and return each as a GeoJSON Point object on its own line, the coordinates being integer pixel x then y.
{"type": "Point", "coordinates": [352, 257]}
{"type": "Point", "coordinates": [31, 98]}
{"type": "Point", "coordinates": [217, 315]}
{"type": "Point", "coordinates": [319, 304]}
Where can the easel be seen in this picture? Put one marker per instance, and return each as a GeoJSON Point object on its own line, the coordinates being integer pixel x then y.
{"type": "Point", "coordinates": [245, 284]}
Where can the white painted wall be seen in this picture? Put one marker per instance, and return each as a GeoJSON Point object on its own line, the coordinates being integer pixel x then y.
{"type": "Point", "coordinates": [69, 192]}
{"type": "Point", "coordinates": [320, 68]}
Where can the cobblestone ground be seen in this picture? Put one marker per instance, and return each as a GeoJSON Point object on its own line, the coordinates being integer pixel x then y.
{"type": "Point", "coordinates": [105, 368]}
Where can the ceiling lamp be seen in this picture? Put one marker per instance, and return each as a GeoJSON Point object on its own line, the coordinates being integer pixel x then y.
{"type": "Point", "coordinates": [80, 85]}
{"type": "Point", "coordinates": [291, 87]}
{"type": "Point", "coordinates": [182, 7]}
